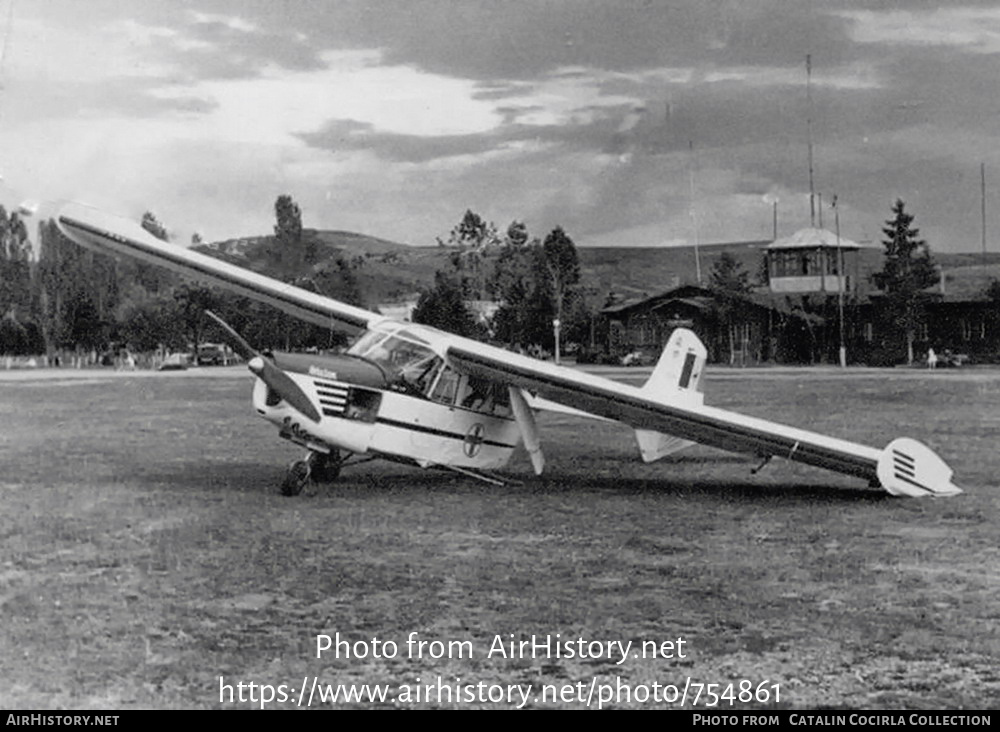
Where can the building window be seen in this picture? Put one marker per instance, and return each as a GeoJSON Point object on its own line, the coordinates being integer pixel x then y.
{"type": "Point", "coordinates": [966, 329]}
{"type": "Point", "coordinates": [921, 333]}
{"type": "Point", "coordinates": [869, 333]}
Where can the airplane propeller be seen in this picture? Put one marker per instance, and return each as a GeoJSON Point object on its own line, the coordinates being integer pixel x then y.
{"type": "Point", "coordinates": [277, 380]}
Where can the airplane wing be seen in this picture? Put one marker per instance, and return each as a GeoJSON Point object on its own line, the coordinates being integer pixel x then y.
{"type": "Point", "coordinates": [904, 467]}
{"type": "Point", "coordinates": [116, 235]}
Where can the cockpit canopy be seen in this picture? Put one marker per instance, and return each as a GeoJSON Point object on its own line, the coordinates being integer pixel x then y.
{"type": "Point", "coordinates": [412, 365]}
{"type": "Point", "coordinates": [407, 360]}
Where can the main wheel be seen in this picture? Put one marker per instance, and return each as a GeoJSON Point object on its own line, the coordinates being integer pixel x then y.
{"type": "Point", "coordinates": [326, 468]}
{"type": "Point", "coordinates": [296, 478]}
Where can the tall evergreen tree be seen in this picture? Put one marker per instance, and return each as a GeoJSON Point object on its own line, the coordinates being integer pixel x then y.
{"type": "Point", "coordinates": [907, 273]}
{"type": "Point", "coordinates": [562, 264]}
{"type": "Point", "coordinates": [729, 280]}
{"type": "Point", "coordinates": [287, 232]}
{"type": "Point", "coordinates": [512, 282]}
{"type": "Point", "coordinates": [443, 306]}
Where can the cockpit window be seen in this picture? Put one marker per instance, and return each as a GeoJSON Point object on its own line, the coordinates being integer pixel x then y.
{"type": "Point", "coordinates": [414, 366]}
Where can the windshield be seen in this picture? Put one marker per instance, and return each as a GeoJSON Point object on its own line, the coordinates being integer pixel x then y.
{"type": "Point", "coordinates": [406, 363]}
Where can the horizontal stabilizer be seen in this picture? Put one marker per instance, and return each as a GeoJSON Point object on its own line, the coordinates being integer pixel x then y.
{"type": "Point", "coordinates": [655, 445]}
{"type": "Point", "coordinates": [908, 468]}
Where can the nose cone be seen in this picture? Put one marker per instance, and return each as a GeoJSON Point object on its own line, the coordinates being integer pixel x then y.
{"type": "Point", "coordinates": [256, 364]}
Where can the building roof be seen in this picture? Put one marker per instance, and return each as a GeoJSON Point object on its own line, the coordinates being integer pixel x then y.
{"type": "Point", "coordinates": [810, 238]}
{"type": "Point", "coordinates": [704, 299]}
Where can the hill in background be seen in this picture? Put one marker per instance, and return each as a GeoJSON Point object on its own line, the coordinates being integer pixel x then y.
{"type": "Point", "coordinates": [390, 272]}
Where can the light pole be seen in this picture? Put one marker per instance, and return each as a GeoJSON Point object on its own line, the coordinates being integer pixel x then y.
{"type": "Point", "coordinates": [555, 329]}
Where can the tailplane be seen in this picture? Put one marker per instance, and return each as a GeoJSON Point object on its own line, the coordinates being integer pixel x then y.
{"type": "Point", "coordinates": [908, 468]}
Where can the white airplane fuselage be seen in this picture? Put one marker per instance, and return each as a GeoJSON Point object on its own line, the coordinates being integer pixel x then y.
{"type": "Point", "coordinates": [442, 420]}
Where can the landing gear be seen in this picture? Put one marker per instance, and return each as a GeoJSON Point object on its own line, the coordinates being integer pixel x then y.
{"type": "Point", "coordinates": [297, 476]}
{"type": "Point", "coordinates": [326, 468]}
{"type": "Point", "coordinates": [317, 466]}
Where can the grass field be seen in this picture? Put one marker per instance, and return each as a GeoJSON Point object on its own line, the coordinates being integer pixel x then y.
{"type": "Point", "coordinates": [145, 553]}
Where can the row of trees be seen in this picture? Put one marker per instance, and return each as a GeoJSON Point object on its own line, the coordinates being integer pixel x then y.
{"type": "Point", "coordinates": [69, 299]}
{"type": "Point", "coordinates": [535, 284]}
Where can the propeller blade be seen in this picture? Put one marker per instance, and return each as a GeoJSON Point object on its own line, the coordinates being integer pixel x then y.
{"type": "Point", "coordinates": [243, 348]}
{"type": "Point", "coordinates": [284, 386]}
{"type": "Point", "coordinates": [277, 380]}
{"type": "Point", "coordinates": [525, 419]}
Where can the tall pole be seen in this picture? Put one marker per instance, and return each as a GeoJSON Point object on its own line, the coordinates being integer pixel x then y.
{"type": "Point", "coordinates": [840, 283]}
{"type": "Point", "coordinates": [694, 215]}
{"type": "Point", "coordinates": [809, 139]}
{"type": "Point", "coordinates": [775, 235]}
{"type": "Point", "coordinates": [982, 196]}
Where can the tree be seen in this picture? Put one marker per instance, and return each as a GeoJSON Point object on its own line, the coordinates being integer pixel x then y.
{"type": "Point", "coordinates": [907, 273]}
{"type": "Point", "coordinates": [563, 268]}
{"type": "Point", "coordinates": [77, 292]}
{"type": "Point", "coordinates": [151, 224]}
{"type": "Point", "coordinates": [443, 306]}
{"type": "Point", "coordinates": [471, 242]}
{"type": "Point", "coordinates": [152, 278]}
{"type": "Point", "coordinates": [730, 281]}
{"type": "Point", "coordinates": [512, 283]}
{"type": "Point", "coordinates": [287, 232]}
{"type": "Point", "coordinates": [15, 268]}
{"type": "Point", "coordinates": [192, 302]}
{"type": "Point", "coordinates": [728, 275]}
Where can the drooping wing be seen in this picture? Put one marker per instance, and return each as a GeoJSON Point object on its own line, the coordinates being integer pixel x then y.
{"type": "Point", "coordinates": [116, 235]}
{"type": "Point", "coordinates": [904, 467]}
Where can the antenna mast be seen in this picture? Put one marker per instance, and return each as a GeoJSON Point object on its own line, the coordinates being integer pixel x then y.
{"type": "Point", "coordinates": [809, 139]}
{"type": "Point", "coordinates": [982, 194]}
{"type": "Point", "coordinates": [694, 215]}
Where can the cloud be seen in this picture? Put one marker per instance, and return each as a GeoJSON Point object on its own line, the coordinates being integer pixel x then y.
{"type": "Point", "coordinates": [971, 29]}
{"type": "Point", "coordinates": [392, 117]}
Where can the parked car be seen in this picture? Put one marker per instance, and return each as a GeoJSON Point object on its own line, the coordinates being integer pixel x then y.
{"type": "Point", "coordinates": [949, 359]}
{"type": "Point", "coordinates": [176, 362]}
{"type": "Point", "coordinates": [214, 354]}
{"type": "Point", "coordinates": [635, 358]}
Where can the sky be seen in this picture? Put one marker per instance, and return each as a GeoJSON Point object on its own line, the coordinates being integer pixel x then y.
{"type": "Point", "coordinates": [626, 122]}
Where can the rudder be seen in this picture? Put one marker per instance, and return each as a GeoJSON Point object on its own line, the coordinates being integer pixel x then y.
{"type": "Point", "coordinates": [678, 373]}
{"type": "Point", "coordinates": [677, 378]}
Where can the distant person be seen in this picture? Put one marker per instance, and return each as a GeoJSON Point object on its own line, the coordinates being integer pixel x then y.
{"type": "Point", "coordinates": [932, 359]}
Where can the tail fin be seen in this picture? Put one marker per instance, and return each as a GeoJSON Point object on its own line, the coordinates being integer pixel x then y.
{"type": "Point", "coordinates": [678, 373]}
{"type": "Point", "coordinates": [676, 379]}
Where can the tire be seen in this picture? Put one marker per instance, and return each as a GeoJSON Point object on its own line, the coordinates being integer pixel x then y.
{"type": "Point", "coordinates": [296, 478]}
{"type": "Point", "coordinates": [326, 468]}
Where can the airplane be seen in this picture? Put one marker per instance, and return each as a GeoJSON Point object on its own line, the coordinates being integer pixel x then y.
{"type": "Point", "coordinates": [417, 395]}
